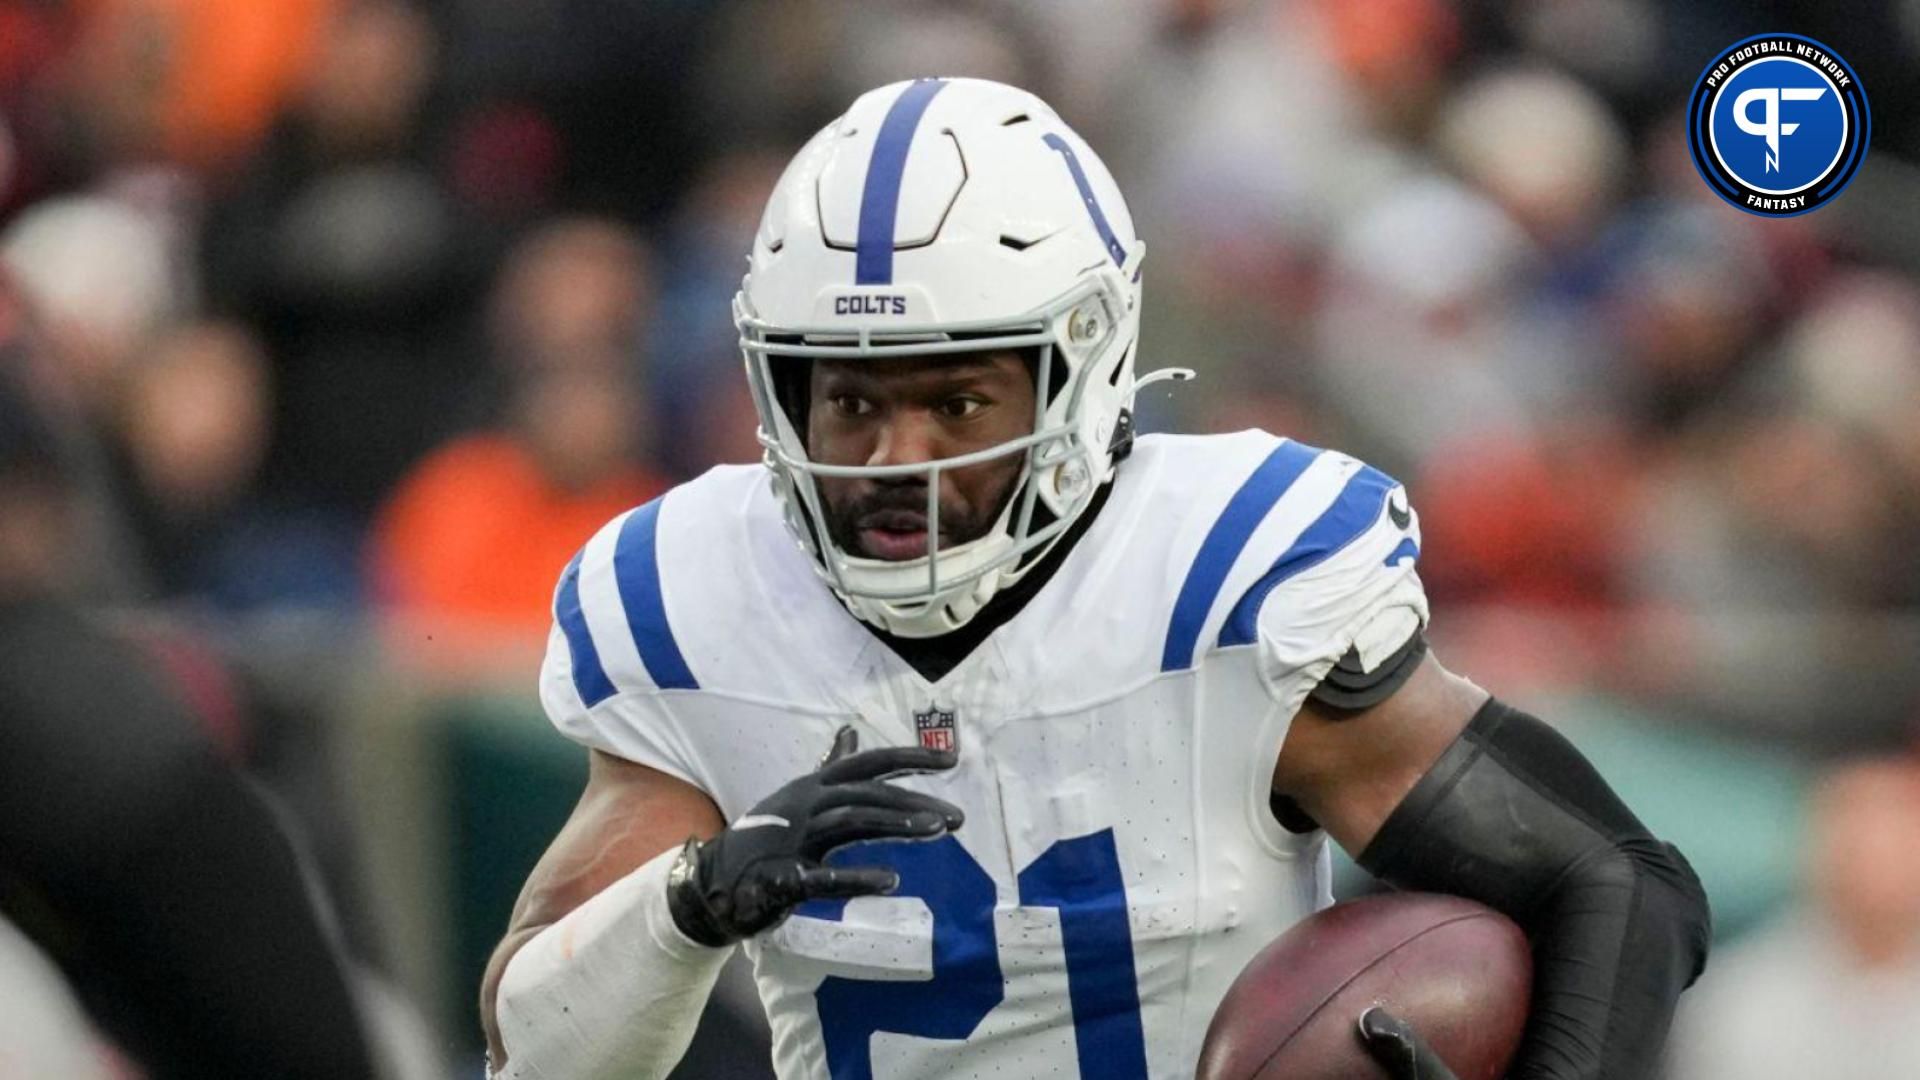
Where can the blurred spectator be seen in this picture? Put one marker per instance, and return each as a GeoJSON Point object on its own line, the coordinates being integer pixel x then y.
{"type": "Point", "coordinates": [193, 428]}
{"type": "Point", "coordinates": [1832, 990]}
{"type": "Point", "coordinates": [1396, 54]}
{"type": "Point", "coordinates": [195, 82]}
{"type": "Point", "coordinates": [1541, 144]}
{"type": "Point", "coordinates": [588, 105]}
{"type": "Point", "coordinates": [1855, 356]}
{"type": "Point", "coordinates": [100, 274]}
{"type": "Point", "coordinates": [130, 852]}
{"type": "Point", "coordinates": [474, 537]}
{"type": "Point", "coordinates": [1254, 135]}
{"type": "Point", "coordinates": [781, 69]}
{"type": "Point", "coordinates": [907, 40]}
{"type": "Point", "coordinates": [341, 249]}
{"type": "Point", "coordinates": [1414, 336]}
{"type": "Point", "coordinates": [98, 558]}
{"type": "Point", "coordinates": [35, 40]}
{"type": "Point", "coordinates": [575, 288]}
{"type": "Point", "coordinates": [1505, 527]}
{"type": "Point", "coordinates": [1776, 531]}
{"type": "Point", "coordinates": [1615, 44]}
{"type": "Point", "coordinates": [1681, 299]}
{"type": "Point", "coordinates": [694, 352]}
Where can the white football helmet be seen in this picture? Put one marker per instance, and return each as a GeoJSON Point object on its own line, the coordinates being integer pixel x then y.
{"type": "Point", "coordinates": [940, 216]}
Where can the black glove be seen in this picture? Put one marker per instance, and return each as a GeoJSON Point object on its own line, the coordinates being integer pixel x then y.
{"type": "Point", "coordinates": [755, 871]}
{"type": "Point", "coordinates": [1393, 1043]}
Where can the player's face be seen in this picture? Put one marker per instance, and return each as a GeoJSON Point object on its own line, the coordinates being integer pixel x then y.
{"type": "Point", "coordinates": [910, 412]}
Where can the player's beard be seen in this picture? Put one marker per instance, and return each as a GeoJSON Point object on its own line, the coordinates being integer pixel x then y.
{"type": "Point", "coordinates": [903, 507]}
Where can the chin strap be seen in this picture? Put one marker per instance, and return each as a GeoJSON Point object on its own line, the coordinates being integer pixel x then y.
{"type": "Point", "coordinates": [1175, 374]}
{"type": "Point", "coordinates": [931, 622]}
{"type": "Point", "coordinates": [1120, 446]}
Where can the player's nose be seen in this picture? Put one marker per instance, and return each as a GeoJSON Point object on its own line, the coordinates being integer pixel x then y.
{"type": "Point", "coordinates": [908, 437]}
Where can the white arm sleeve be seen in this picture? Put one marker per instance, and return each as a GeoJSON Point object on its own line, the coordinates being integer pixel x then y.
{"type": "Point", "coordinates": [614, 989]}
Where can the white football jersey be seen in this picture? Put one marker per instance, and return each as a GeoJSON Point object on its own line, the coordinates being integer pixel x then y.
{"type": "Point", "coordinates": [1119, 864]}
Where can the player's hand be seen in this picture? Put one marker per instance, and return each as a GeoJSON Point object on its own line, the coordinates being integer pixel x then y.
{"type": "Point", "coordinates": [1399, 1049]}
{"type": "Point", "coordinates": [756, 870]}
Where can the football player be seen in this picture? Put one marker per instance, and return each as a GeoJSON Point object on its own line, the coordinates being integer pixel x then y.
{"type": "Point", "coordinates": [1090, 705]}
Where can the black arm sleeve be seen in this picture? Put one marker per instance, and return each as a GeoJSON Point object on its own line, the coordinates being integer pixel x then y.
{"type": "Point", "coordinates": [1513, 816]}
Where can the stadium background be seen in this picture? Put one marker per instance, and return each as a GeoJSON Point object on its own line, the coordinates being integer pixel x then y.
{"type": "Point", "coordinates": [361, 316]}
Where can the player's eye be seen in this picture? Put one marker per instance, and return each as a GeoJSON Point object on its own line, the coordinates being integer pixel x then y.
{"type": "Point", "coordinates": [961, 407]}
{"type": "Point", "coordinates": [851, 405]}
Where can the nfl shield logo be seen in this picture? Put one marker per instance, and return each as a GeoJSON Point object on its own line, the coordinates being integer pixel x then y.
{"type": "Point", "coordinates": [936, 728]}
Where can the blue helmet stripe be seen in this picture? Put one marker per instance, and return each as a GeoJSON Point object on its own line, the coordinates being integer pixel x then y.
{"type": "Point", "coordinates": [1360, 504]}
{"type": "Point", "coordinates": [880, 198]}
{"type": "Point", "coordinates": [589, 678]}
{"type": "Point", "coordinates": [1114, 247]}
{"type": "Point", "coordinates": [1222, 547]}
{"type": "Point", "coordinates": [636, 567]}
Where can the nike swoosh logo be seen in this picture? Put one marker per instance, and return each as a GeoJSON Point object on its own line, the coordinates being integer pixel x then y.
{"type": "Point", "coordinates": [1402, 516]}
{"type": "Point", "coordinates": [1407, 550]}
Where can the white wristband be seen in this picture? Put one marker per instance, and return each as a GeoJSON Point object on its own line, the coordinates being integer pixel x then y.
{"type": "Point", "coordinates": [612, 989]}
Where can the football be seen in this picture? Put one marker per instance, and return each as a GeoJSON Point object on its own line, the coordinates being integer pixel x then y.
{"type": "Point", "coordinates": [1458, 971]}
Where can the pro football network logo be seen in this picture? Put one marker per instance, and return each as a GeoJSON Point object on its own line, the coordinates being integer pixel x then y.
{"type": "Point", "coordinates": [1778, 124]}
{"type": "Point", "coordinates": [936, 728]}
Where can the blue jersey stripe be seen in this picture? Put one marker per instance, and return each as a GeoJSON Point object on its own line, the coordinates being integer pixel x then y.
{"type": "Point", "coordinates": [1114, 248]}
{"type": "Point", "coordinates": [636, 568]}
{"type": "Point", "coordinates": [1222, 547]}
{"type": "Point", "coordinates": [589, 678]}
{"type": "Point", "coordinates": [1353, 513]}
{"type": "Point", "coordinates": [880, 197]}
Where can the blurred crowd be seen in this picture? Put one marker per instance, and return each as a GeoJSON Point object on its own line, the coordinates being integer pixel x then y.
{"type": "Point", "coordinates": [365, 306]}
{"type": "Point", "coordinates": [367, 312]}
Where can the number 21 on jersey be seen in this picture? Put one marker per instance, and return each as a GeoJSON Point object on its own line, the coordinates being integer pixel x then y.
{"type": "Point", "coordinates": [1079, 878]}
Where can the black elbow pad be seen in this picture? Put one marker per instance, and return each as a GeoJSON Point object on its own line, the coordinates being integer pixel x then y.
{"type": "Point", "coordinates": [1508, 811]}
{"type": "Point", "coordinates": [1513, 816]}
